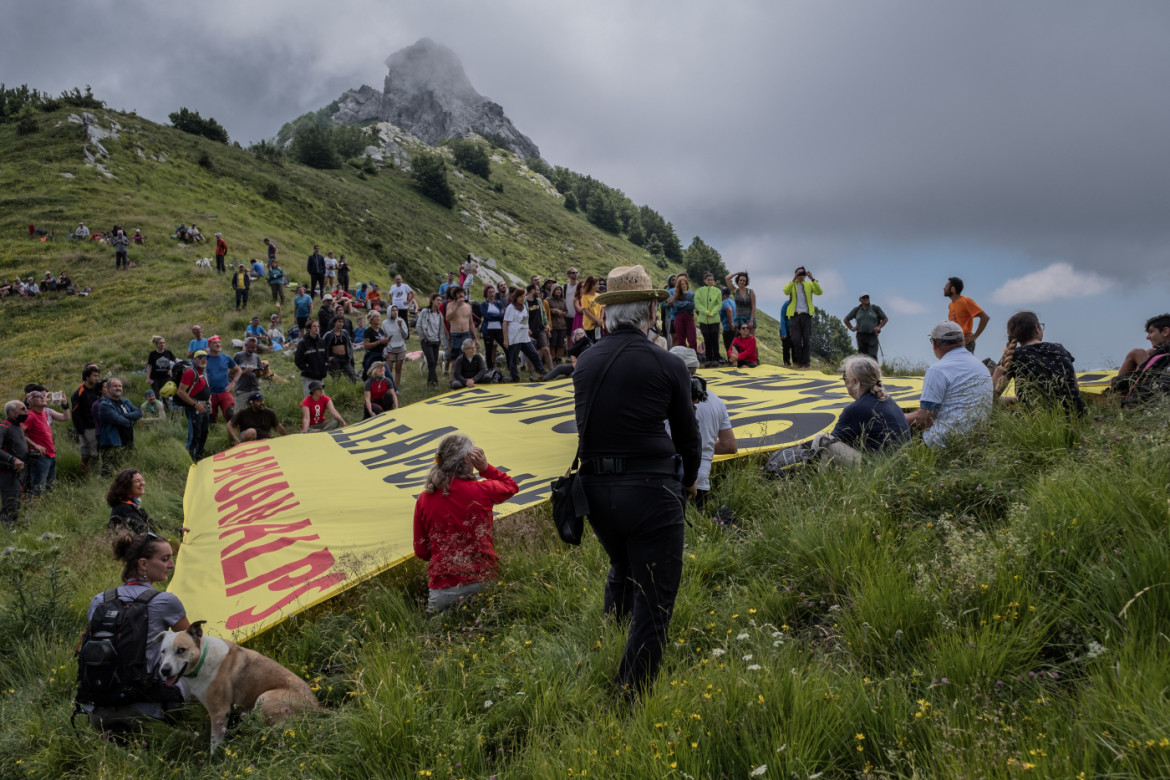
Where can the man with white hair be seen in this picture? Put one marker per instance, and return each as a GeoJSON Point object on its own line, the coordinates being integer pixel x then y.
{"type": "Point", "coordinates": [956, 391]}
{"type": "Point", "coordinates": [624, 387]}
{"type": "Point", "coordinates": [714, 424]}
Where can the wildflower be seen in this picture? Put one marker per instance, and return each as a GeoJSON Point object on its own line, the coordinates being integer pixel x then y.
{"type": "Point", "coordinates": [758, 771]}
{"type": "Point", "coordinates": [742, 636]}
{"type": "Point", "coordinates": [718, 652]}
{"type": "Point", "coordinates": [747, 657]}
{"type": "Point", "coordinates": [754, 668]}
{"type": "Point", "coordinates": [488, 704]}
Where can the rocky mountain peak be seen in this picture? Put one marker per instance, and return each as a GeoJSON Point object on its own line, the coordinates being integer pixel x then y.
{"type": "Point", "coordinates": [427, 93]}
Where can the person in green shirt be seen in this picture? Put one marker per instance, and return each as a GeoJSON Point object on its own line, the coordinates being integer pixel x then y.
{"type": "Point", "coordinates": [708, 300]}
{"type": "Point", "coordinates": [870, 321]}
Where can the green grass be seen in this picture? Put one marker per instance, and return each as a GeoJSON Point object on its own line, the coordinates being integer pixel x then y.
{"type": "Point", "coordinates": [992, 610]}
{"type": "Point", "coordinates": [380, 223]}
{"type": "Point", "coordinates": [995, 610]}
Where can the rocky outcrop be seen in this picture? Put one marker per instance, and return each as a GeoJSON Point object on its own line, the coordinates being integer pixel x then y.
{"type": "Point", "coordinates": [428, 95]}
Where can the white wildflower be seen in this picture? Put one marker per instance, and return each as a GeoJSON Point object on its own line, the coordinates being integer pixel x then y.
{"type": "Point", "coordinates": [758, 771]}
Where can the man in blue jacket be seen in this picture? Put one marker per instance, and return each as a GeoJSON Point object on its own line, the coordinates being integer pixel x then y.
{"type": "Point", "coordinates": [117, 416]}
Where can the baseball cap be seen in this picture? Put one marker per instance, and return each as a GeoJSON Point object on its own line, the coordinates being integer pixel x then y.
{"type": "Point", "coordinates": [257, 396]}
{"type": "Point", "coordinates": [201, 354]}
{"type": "Point", "coordinates": [689, 358]}
{"type": "Point", "coordinates": [946, 331]}
{"type": "Point", "coordinates": [316, 385]}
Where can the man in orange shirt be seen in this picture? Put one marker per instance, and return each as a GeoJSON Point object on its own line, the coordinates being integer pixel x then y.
{"type": "Point", "coordinates": [964, 311]}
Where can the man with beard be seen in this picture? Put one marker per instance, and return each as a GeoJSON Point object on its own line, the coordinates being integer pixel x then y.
{"type": "Point", "coordinates": [117, 415]}
{"type": "Point", "coordinates": [964, 311]}
{"type": "Point", "coordinates": [254, 421]}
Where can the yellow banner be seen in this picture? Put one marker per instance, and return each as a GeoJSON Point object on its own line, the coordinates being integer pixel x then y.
{"type": "Point", "coordinates": [280, 525]}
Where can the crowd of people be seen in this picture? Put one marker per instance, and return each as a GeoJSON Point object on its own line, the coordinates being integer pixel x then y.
{"type": "Point", "coordinates": [648, 425]}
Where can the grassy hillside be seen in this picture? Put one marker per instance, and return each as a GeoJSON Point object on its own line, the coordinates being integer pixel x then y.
{"type": "Point", "coordinates": [379, 222]}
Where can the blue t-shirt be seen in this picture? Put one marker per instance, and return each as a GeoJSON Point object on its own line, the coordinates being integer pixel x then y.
{"type": "Point", "coordinates": [303, 304]}
{"type": "Point", "coordinates": [726, 312]}
{"type": "Point", "coordinates": [217, 372]}
{"type": "Point", "coordinates": [870, 424]}
{"type": "Point", "coordinates": [258, 269]}
{"type": "Point", "coordinates": [196, 344]}
{"type": "Point", "coordinates": [255, 330]}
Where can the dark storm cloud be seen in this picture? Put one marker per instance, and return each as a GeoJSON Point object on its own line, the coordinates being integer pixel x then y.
{"type": "Point", "coordinates": [1034, 126]}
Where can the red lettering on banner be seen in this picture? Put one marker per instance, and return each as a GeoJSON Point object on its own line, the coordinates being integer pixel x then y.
{"type": "Point", "coordinates": [234, 566]}
{"type": "Point", "coordinates": [241, 619]}
{"type": "Point", "coordinates": [247, 469]}
{"type": "Point", "coordinates": [284, 577]}
{"type": "Point", "coordinates": [253, 513]}
{"type": "Point", "coordinates": [250, 492]}
{"type": "Point", "coordinates": [238, 453]}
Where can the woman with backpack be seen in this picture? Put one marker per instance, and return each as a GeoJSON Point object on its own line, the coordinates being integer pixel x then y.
{"type": "Point", "coordinates": [116, 690]}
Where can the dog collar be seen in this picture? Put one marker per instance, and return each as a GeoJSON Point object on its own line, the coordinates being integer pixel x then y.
{"type": "Point", "coordinates": [198, 666]}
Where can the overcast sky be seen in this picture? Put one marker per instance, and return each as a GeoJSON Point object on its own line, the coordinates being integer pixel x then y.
{"type": "Point", "coordinates": [886, 145]}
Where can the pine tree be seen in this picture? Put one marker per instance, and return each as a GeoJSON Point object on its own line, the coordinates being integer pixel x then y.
{"type": "Point", "coordinates": [429, 173]}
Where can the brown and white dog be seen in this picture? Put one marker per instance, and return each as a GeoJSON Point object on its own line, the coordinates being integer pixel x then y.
{"type": "Point", "coordinates": [226, 677]}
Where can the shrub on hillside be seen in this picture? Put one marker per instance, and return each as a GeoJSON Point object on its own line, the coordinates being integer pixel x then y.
{"type": "Point", "coordinates": [429, 174]}
{"type": "Point", "coordinates": [830, 338]}
{"type": "Point", "coordinates": [190, 122]}
{"type": "Point", "coordinates": [313, 146]}
{"type": "Point", "coordinates": [349, 141]}
{"type": "Point", "coordinates": [269, 151]}
{"type": "Point", "coordinates": [571, 201]}
{"type": "Point", "coordinates": [471, 157]}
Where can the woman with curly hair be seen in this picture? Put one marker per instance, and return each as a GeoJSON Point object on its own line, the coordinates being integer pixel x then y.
{"type": "Point", "coordinates": [125, 500]}
{"type": "Point", "coordinates": [453, 522]}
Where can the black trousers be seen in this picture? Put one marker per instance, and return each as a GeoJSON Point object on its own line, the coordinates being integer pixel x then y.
{"type": "Point", "coordinates": [639, 522]}
{"type": "Point", "coordinates": [800, 332]}
{"type": "Point", "coordinates": [786, 348]}
{"type": "Point", "coordinates": [710, 341]}
{"type": "Point", "coordinates": [867, 344]}
{"type": "Point", "coordinates": [431, 355]}
{"type": "Point", "coordinates": [219, 264]}
{"type": "Point", "coordinates": [317, 281]}
{"type": "Point", "coordinates": [11, 486]}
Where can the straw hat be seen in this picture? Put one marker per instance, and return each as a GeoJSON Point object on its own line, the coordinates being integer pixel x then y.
{"type": "Point", "coordinates": [629, 284]}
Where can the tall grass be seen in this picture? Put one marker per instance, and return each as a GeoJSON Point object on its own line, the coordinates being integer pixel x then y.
{"type": "Point", "coordinates": [992, 610]}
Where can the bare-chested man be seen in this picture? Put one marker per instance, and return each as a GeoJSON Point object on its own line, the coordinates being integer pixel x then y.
{"type": "Point", "coordinates": [459, 320]}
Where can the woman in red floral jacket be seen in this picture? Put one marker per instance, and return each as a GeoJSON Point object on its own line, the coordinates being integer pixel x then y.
{"type": "Point", "coordinates": [453, 522]}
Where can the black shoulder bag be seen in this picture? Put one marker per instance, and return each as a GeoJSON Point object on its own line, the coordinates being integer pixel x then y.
{"type": "Point", "coordinates": [569, 504]}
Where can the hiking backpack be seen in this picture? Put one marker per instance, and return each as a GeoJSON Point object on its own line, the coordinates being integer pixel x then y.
{"type": "Point", "coordinates": [111, 662]}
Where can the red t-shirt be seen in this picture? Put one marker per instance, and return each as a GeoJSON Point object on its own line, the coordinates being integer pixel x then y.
{"type": "Point", "coordinates": [37, 431]}
{"type": "Point", "coordinates": [454, 531]}
{"type": "Point", "coordinates": [963, 310]}
{"type": "Point", "coordinates": [746, 348]}
{"type": "Point", "coordinates": [316, 407]}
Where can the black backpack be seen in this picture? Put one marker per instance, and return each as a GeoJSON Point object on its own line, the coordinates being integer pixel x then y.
{"type": "Point", "coordinates": [111, 662]}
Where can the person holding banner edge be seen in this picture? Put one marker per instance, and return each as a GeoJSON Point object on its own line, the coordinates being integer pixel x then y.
{"type": "Point", "coordinates": [629, 468]}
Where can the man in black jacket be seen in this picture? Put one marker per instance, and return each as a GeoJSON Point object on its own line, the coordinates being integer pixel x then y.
{"type": "Point", "coordinates": [316, 269]}
{"type": "Point", "coordinates": [81, 412]}
{"type": "Point", "coordinates": [311, 357]}
{"type": "Point", "coordinates": [632, 478]}
{"type": "Point", "coordinates": [13, 457]}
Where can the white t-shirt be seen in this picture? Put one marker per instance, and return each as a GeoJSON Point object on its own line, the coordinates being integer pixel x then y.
{"type": "Point", "coordinates": [712, 417]}
{"type": "Point", "coordinates": [398, 295]}
{"type": "Point", "coordinates": [330, 266]}
{"type": "Point", "coordinates": [517, 324]}
{"type": "Point", "coordinates": [570, 290]}
{"type": "Point", "coordinates": [958, 390]}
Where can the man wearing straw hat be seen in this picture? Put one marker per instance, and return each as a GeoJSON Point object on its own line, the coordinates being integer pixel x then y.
{"type": "Point", "coordinates": [632, 478]}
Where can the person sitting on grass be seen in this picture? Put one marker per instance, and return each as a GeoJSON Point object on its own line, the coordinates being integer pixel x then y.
{"type": "Point", "coordinates": [147, 559]}
{"type": "Point", "coordinates": [743, 352]}
{"type": "Point", "coordinates": [124, 497]}
{"type": "Point", "coordinates": [254, 421]}
{"type": "Point", "coordinates": [956, 391]}
{"type": "Point", "coordinates": [872, 423]}
{"type": "Point", "coordinates": [1043, 371]}
{"type": "Point", "coordinates": [580, 344]}
{"type": "Point", "coordinates": [314, 409]}
{"type": "Point", "coordinates": [138, 238]}
{"type": "Point", "coordinates": [453, 522]}
{"type": "Point", "coordinates": [153, 409]}
{"type": "Point", "coordinates": [469, 368]}
{"type": "Point", "coordinates": [380, 391]}
{"type": "Point", "coordinates": [1145, 373]}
